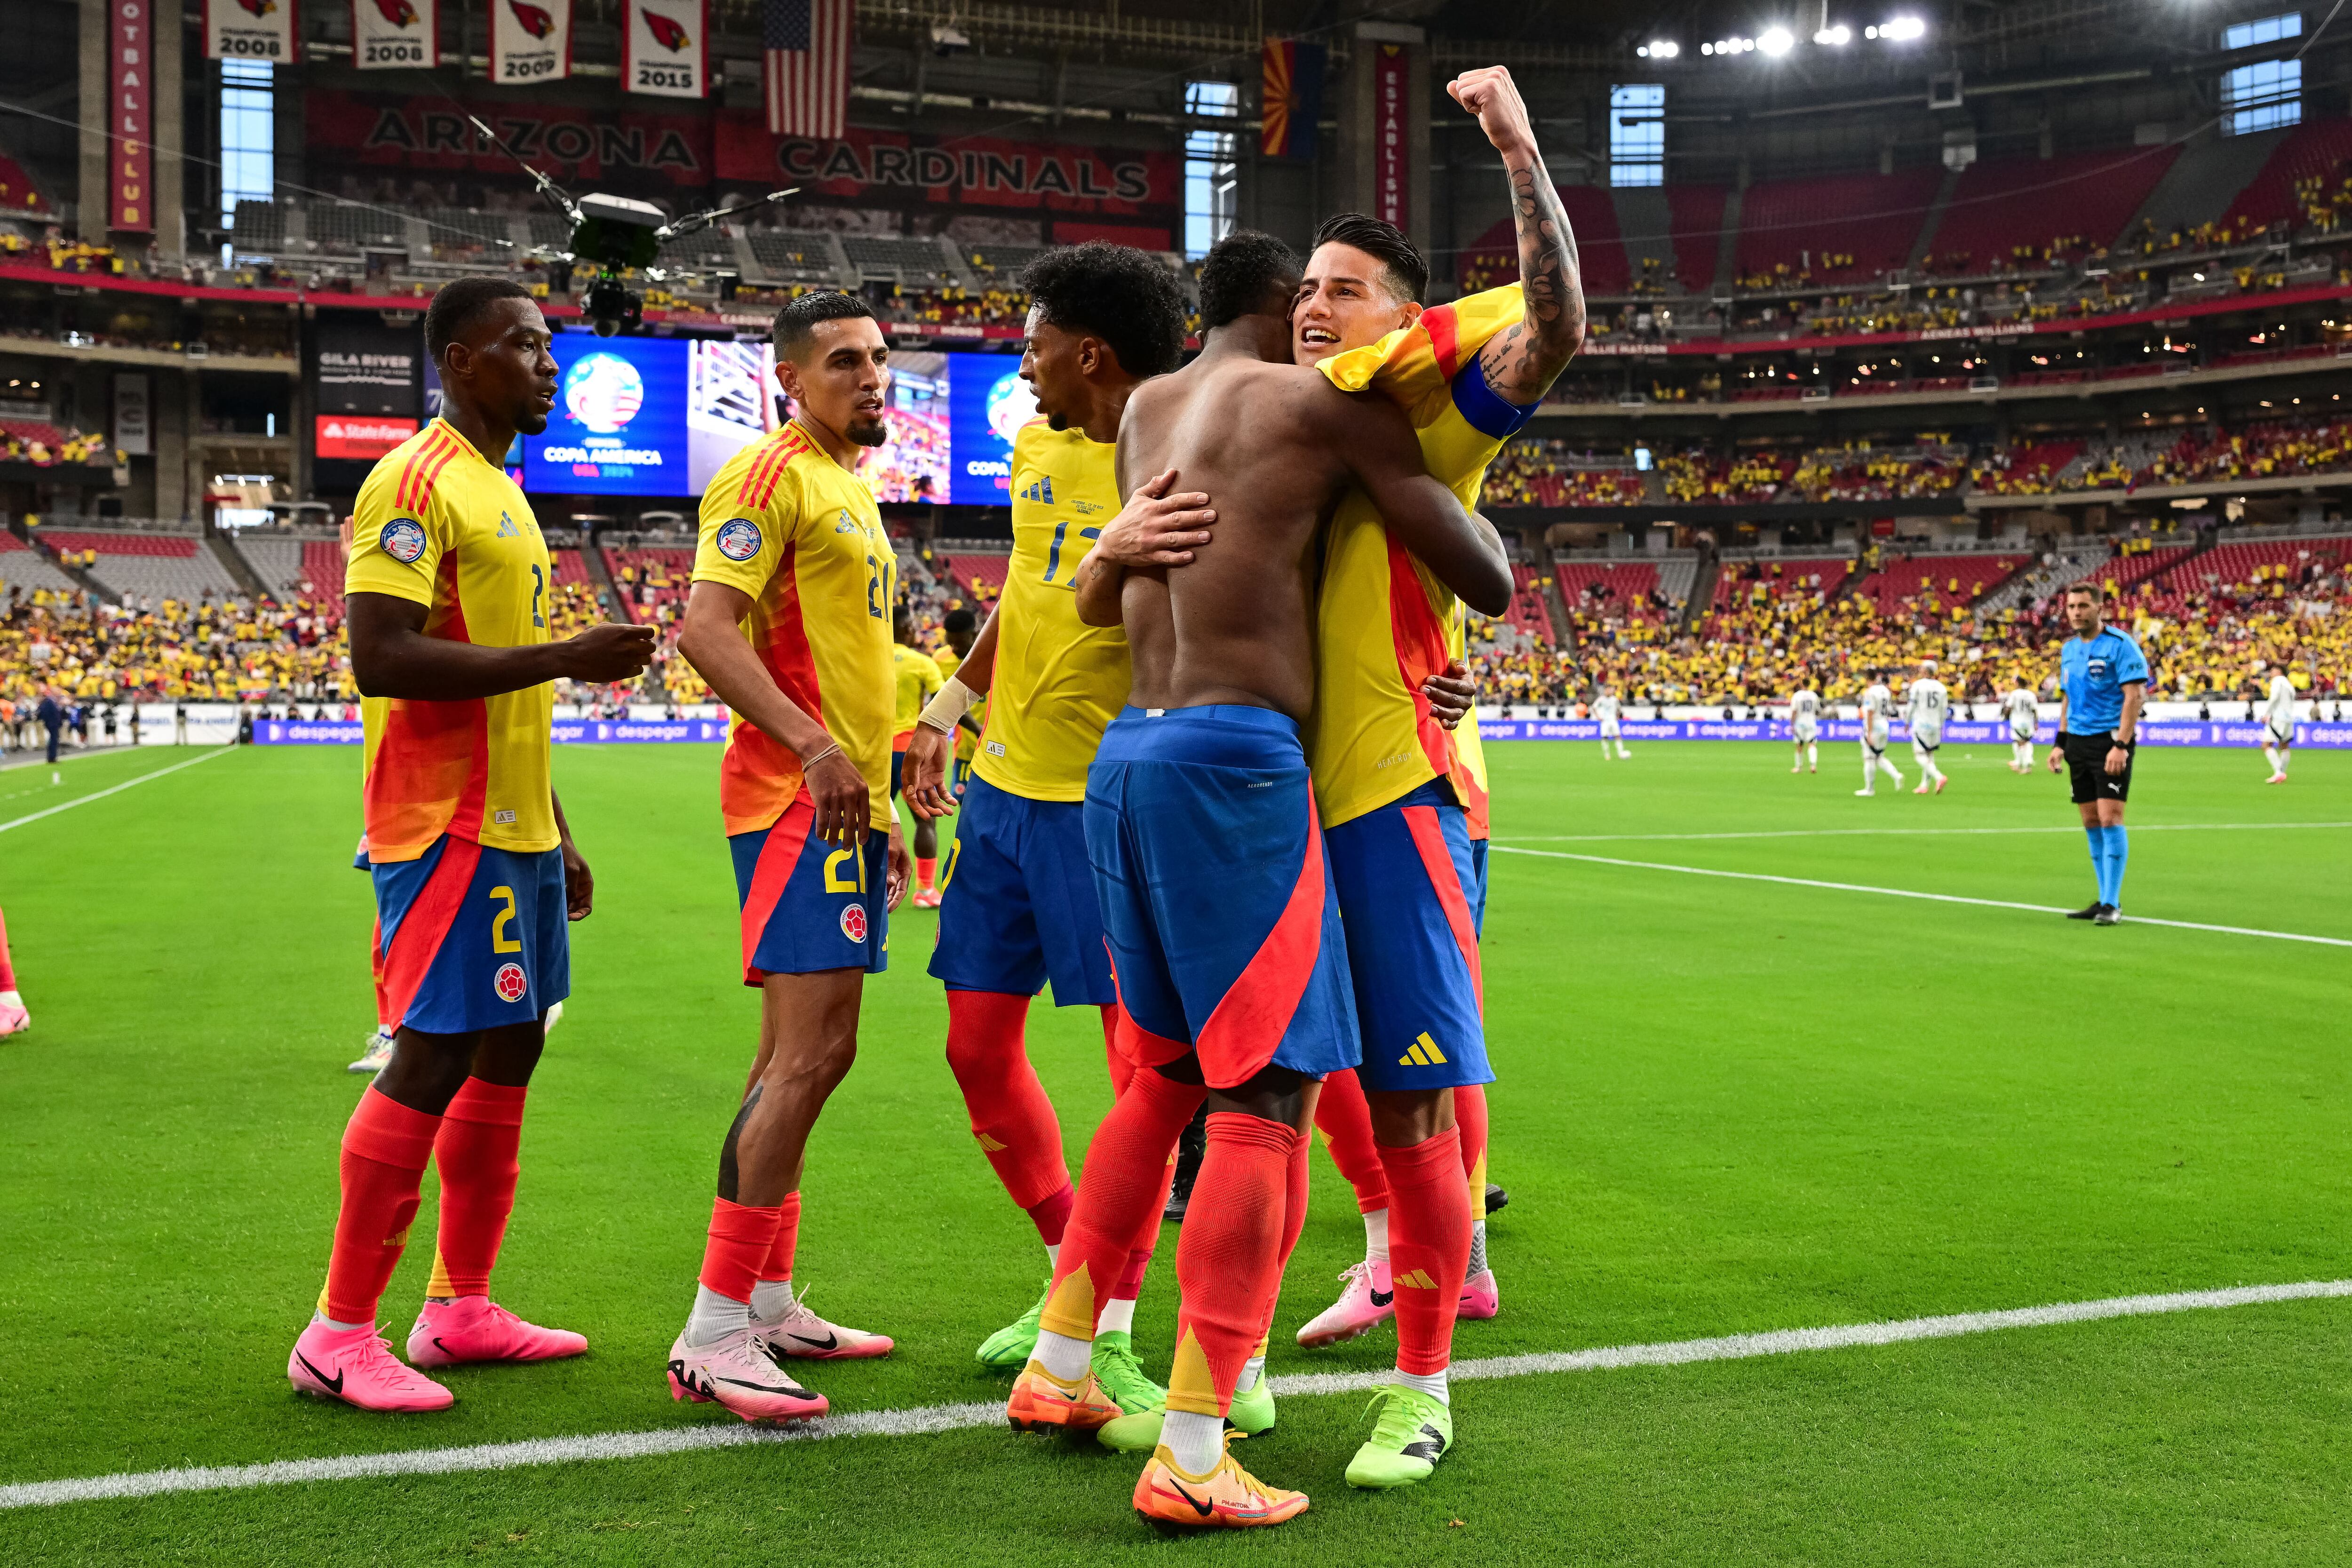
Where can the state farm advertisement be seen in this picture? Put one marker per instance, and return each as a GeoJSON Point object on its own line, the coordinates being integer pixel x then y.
{"type": "Point", "coordinates": [359, 435]}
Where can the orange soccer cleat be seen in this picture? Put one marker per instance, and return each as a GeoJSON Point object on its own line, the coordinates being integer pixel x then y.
{"type": "Point", "coordinates": [1044, 1402]}
{"type": "Point", "coordinates": [1227, 1498]}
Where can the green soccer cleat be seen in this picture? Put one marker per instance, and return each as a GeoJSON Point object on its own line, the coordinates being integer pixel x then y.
{"type": "Point", "coordinates": [1138, 1432]}
{"type": "Point", "coordinates": [1120, 1375]}
{"type": "Point", "coordinates": [1010, 1347]}
{"type": "Point", "coordinates": [1413, 1432]}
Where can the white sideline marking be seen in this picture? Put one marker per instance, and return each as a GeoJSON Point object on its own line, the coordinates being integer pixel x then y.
{"type": "Point", "coordinates": [117, 789]}
{"type": "Point", "coordinates": [1909, 893]}
{"type": "Point", "coordinates": [952, 1418]}
{"type": "Point", "coordinates": [1894, 832]}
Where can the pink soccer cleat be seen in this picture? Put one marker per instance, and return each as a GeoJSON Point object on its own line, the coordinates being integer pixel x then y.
{"type": "Point", "coordinates": [742, 1374]}
{"type": "Point", "coordinates": [15, 1020]}
{"type": "Point", "coordinates": [2274, 778]}
{"type": "Point", "coordinates": [1480, 1296]}
{"type": "Point", "coordinates": [1367, 1300]}
{"type": "Point", "coordinates": [803, 1334]}
{"type": "Point", "coordinates": [1941, 780]}
{"type": "Point", "coordinates": [475, 1328]}
{"type": "Point", "coordinates": [356, 1366]}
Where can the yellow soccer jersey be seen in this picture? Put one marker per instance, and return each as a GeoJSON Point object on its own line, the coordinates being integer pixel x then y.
{"type": "Point", "coordinates": [438, 525]}
{"type": "Point", "coordinates": [917, 678]}
{"type": "Point", "coordinates": [1383, 625]}
{"type": "Point", "coordinates": [1059, 682]}
{"type": "Point", "coordinates": [800, 534]}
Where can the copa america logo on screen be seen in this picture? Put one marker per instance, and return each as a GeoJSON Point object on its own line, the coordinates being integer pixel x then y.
{"type": "Point", "coordinates": [603, 392]}
{"type": "Point", "coordinates": [1010, 405]}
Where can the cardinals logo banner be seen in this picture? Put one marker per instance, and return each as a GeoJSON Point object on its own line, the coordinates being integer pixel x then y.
{"type": "Point", "coordinates": [531, 40]}
{"type": "Point", "coordinates": [249, 30]}
{"type": "Point", "coordinates": [395, 35]}
{"type": "Point", "coordinates": [662, 48]}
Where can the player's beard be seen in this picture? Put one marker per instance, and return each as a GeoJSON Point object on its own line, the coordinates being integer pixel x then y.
{"type": "Point", "coordinates": [1058, 422]}
{"type": "Point", "coordinates": [873, 431]}
{"type": "Point", "coordinates": [532, 422]}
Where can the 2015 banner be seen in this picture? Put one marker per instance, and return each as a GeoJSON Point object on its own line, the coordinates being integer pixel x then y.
{"type": "Point", "coordinates": [531, 40]}
{"type": "Point", "coordinates": [395, 35]}
{"type": "Point", "coordinates": [251, 30]}
{"type": "Point", "coordinates": [663, 48]}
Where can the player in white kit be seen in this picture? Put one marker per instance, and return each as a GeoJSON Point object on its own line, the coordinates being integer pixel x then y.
{"type": "Point", "coordinates": [1805, 728]}
{"type": "Point", "coordinates": [1925, 708]}
{"type": "Point", "coordinates": [2278, 722]}
{"type": "Point", "coordinates": [2023, 712]}
{"type": "Point", "coordinates": [1604, 707]}
{"type": "Point", "coordinates": [1877, 706]}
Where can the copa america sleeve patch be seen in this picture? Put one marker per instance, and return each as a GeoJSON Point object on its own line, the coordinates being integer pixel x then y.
{"type": "Point", "coordinates": [404, 540]}
{"type": "Point", "coordinates": [738, 540]}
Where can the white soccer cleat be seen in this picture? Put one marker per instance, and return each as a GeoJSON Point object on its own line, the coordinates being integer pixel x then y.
{"type": "Point", "coordinates": [377, 1054]}
{"type": "Point", "coordinates": [14, 1019]}
{"type": "Point", "coordinates": [2274, 778]}
{"type": "Point", "coordinates": [741, 1373]}
{"type": "Point", "coordinates": [1864, 793]}
{"type": "Point", "coordinates": [554, 1016]}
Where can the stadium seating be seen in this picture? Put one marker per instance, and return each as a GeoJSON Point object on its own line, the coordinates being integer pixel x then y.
{"type": "Point", "coordinates": [796, 258]}
{"type": "Point", "coordinates": [1697, 218]}
{"type": "Point", "coordinates": [1840, 227]}
{"type": "Point", "coordinates": [2314, 151]}
{"type": "Point", "coordinates": [2019, 213]}
{"type": "Point", "coordinates": [652, 584]}
{"type": "Point", "coordinates": [24, 569]}
{"type": "Point", "coordinates": [1609, 591]}
{"type": "Point", "coordinates": [979, 577]}
{"type": "Point", "coordinates": [1948, 581]}
{"type": "Point", "coordinates": [1527, 613]}
{"type": "Point", "coordinates": [151, 565]}
{"type": "Point", "coordinates": [1754, 581]}
{"type": "Point", "coordinates": [1599, 250]}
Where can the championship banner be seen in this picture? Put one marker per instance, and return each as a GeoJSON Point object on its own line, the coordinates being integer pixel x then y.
{"type": "Point", "coordinates": [395, 35]}
{"type": "Point", "coordinates": [531, 40]}
{"type": "Point", "coordinates": [131, 115]}
{"type": "Point", "coordinates": [1390, 133]}
{"type": "Point", "coordinates": [248, 30]}
{"type": "Point", "coordinates": [663, 48]}
{"type": "Point", "coordinates": [1291, 99]}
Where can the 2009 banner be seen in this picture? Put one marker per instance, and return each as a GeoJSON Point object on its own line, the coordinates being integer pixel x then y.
{"type": "Point", "coordinates": [395, 35]}
{"type": "Point", "coordinates": [531, 40]}
{"type": "Point", "coordinates": [663, 48]}
{"type": "Point", "coordinates": [251, 30]}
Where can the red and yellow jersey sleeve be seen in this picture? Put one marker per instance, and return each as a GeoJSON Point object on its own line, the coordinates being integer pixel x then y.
{"type": "Point", "coordinates": [1383, 623]}
{"type": "Point", "coordinates": [802, 537]}
{"type": "Point", "coordinates": [1059, 682]}
{"type": "Point", "coordinates": [439, 526]}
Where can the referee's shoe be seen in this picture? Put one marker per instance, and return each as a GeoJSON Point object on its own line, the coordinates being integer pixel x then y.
{"type": "Point", "coordinates": [2097, 914]}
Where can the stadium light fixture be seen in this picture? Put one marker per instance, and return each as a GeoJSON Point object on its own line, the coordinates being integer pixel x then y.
{"type": "Point", "coordinates": [1835, 38]}
{"type": "Point", "coordinates": [1776, 42]}
{"type": "Point", "coordinates": [1903, 29]}
{"type": "Point", "coordinates": [1659, 49]}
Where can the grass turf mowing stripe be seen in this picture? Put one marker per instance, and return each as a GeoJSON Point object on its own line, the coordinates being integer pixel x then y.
{"type": "Point", "coordinates": [116, 789]}
{"type": "Point", "coordinates": [1892, 832]}
{"type": "Point", "coordinates": [1911, 893]}
{"type": "Point", "coordinates": [952, 1417]}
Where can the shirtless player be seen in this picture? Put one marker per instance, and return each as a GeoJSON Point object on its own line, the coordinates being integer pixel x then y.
{"type": "Point", "coordinates": [1209, 865]}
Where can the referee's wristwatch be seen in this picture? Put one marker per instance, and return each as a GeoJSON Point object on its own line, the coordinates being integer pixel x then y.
{"type": "Point", "coordinates": [2118, 741]}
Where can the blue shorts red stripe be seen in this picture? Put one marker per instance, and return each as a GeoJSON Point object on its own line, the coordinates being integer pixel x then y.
{"type": "Point", "coordinates": [469, 938]}
{"type": "Point", "coordinates": [1017, 904]}
{"type": "Point", "coordinates": [808, 905]}
{"type": "Point", "coordinates": [1411, 890]}
{"type": "Point", "coordinates": [1216, 895]}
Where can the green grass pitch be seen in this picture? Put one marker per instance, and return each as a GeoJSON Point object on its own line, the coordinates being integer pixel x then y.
{"type": "Point", "coordinates": [1726, 1106]}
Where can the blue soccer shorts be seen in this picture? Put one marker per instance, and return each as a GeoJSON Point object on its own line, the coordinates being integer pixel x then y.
{"type": "Point", "coordinates": [808, 905]}
{"type": "Point", "coordinates": [1017, 903]}
{"type": "Point", "coordinates": [1216, 895]}
{"type": "Point", "coordinates": [1413, 897]}
{"type": "Point", "coordinates": [470, 938]}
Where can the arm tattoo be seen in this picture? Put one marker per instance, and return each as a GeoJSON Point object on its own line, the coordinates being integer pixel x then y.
{"type": "Point", "coordinates": [1521, 361]}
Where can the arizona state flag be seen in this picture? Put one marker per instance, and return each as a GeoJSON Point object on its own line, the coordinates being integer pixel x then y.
{"type": "Point", "coordinates": [1292, 101]}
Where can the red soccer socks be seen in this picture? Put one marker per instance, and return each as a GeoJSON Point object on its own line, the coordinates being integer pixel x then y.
{"type": "Point", "coordinates": [1229, 1258]}
{"type": "Point", "coordinates": [1011, 1116]}
{"type": "Point", "coordinates": [477, 1151]}
{"type": "Point", "coordinates": [1126, 1174]}
{"type": "Point", "coordinates": [1429, 1244]}
{"type": "Point", "coordinates": [1345, 1122]}
{"type": "Point", "coordinates": [385, 1148]}
{"type": "Point", "coordinates": [740, 1240]}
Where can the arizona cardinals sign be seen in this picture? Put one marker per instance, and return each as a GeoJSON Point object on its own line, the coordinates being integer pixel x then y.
{"type": "Point", "coordinates": [251, 30]}
{"type": "Point", "coordinates": [395, 35]}
{"type": "Point", "coordinates": [662, 47]}
{"type": "Point", "coordinates": [531, 40]}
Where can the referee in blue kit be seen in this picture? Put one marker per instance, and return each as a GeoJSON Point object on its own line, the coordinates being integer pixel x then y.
{"type": "Point", "coordinates": [2102, 686]}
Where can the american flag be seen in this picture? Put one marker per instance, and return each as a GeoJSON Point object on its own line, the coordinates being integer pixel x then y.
{"type": "Point", "coordinates": [808, 44]}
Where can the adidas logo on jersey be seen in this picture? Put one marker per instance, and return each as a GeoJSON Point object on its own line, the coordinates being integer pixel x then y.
{"type": "Point", "coordinates": [1423, 1053]}
{"type": "Point", "coordinates": [1042, 492]}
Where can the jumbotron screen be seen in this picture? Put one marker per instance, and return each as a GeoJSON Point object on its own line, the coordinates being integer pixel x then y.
{"type": "Point", "coordinates": [659, 416]}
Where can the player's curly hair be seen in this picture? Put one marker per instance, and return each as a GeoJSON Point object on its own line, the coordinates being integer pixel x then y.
{"type": "Point", "coordinates": [1241, 271]}
{"type": "Point", "coordinates": [456, 303]}
{"type": "Point", "coordinates": [1408, 270]}
{"type": "Point", "coordinates": [795, 325]}
{"type": "Point", "coordinates": [1114, 293]}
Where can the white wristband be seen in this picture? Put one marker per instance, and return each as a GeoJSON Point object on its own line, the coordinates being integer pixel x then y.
{"type": "Point", "coordinates": [942, 711]}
